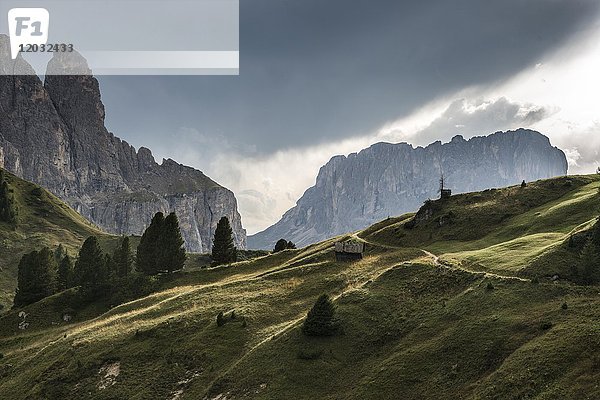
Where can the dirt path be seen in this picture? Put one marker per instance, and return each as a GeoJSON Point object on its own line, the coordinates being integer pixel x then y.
{"type": "Point", "coordinates": [438, 263]}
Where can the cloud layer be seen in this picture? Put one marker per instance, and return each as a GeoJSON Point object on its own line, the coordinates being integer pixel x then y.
{"type": "Point", "coordinates": [325, 78]}
{"type": "Point", "coordinates": [315, 71]}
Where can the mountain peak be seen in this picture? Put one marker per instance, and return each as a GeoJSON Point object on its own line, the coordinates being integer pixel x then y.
{"type": "Point", "coordinates": [53, 134]}
{"type": "Point", "coordinates": [391, 179]}
{"type": "Point", "coordinates": [63, 63]}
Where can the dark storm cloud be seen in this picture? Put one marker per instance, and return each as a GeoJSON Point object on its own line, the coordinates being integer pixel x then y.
{"type": "Point", "coordinates": [314, 71]}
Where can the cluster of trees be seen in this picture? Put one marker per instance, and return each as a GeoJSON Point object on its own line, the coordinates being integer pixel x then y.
{"type": "Point", "coordinates": [8, 206]}
{"type": "Point", "coordinates": [283, 244]}
{"type": "Point", "coordinates": [161, 246]}
{"type": "Point", "coordinates": [37, 277]}
{"type": "Point", "coordinates": [98, 274]}
{"type": "Point", "coordinates": [44, 273]}
{"type": "Point", "coordinates": [223, 250]}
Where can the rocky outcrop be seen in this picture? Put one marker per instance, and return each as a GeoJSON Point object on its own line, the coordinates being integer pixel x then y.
{"type": "Point", "coordinates": [53, 134]}
{"type": "Point", "coordinates": [386, 179]}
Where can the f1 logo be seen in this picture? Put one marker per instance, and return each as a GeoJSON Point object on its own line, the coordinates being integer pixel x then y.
{"type": "Point", "coordinates": [28, 26]}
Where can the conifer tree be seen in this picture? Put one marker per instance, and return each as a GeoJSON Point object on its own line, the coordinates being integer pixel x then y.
{"type": "Point", "coordinates": [90, 269]}
{"type": "Point", "coordinates": [596, 233]}
{"type": "Point", "coordinates": [223, 251]}
{"type": "Point", "coordinates": [27, 292]}
{"type": "Point", "coordinates": [8, 207]}
{"type": "Point", "coordinates": [321, 320]}
{"type": "Point", "coordinates": [123, 258]}
{"type": "Point", "coordinates": [36, 277]}
{"type": "Point", "coordinates": [172, 254]}
{"type": "Point", "coordinates": [281, 245]}
{"type": "Point", "coordinates": [148, 251]}
{"type": "Point", "coordinates": [65, 273]}
{"type": "Point", "coordinates": [110, 266]}
{"type": "Point", "coordinates": [59, 253]}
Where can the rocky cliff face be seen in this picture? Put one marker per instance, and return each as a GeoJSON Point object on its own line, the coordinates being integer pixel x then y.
{"type": "Point", "coordinates": [386, 179]}
{"type": "Point", "coordinates": [53, 134]}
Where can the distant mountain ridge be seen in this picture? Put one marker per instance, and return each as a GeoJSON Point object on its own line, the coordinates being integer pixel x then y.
{"type": "Point", "coordinates": [387, 179]}
{"type": "Point", "coordinates": [53, 134]}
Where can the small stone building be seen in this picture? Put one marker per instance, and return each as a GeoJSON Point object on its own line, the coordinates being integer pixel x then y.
{"type": "Point", "coordinates": [349, 251]}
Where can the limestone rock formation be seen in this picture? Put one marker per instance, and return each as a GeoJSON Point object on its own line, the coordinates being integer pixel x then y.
{"type": "Point", "coordinates": [386, 179]}
{"type": "Point", "coordinates": [53, 134]}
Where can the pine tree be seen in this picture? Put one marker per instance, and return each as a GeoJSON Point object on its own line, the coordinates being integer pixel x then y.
{"type": "Point", "coordinates": [223, 251]}
{"type": "Point", "coordinates": [321, 320]}
{"type": "Point", "coordinates": [36, 277]}
{"type": "Point", "coordinates": [90, 269]}
{"type": "Point", "coordinates": [281, 245]}
{"type": "Point", "coordinates": [59, 253]}
{"type": "Point", "coordinates": [596, 233]}
{"type": "Point", "coordinates": [8, 207]}
{"type": "Point", "coordinates": [123, 258]}
{"type": "Point", "coordinates": [148, 251]}
{"type": "Point", "coordinates": [65, 273]}
{"type": "Point", "coordinates": [589, 269]}
{"type": "Point", "coordinates": [110, 266]}
{"type": "Point", "coordinates": [172, 254]}
{"type": "Point", "coordinates": [27, 292]}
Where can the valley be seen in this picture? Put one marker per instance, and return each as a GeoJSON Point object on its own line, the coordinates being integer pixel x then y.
{"type": "Point", "coordinates": [482, 305]}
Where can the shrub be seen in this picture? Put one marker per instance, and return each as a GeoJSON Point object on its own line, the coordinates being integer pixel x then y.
{"type": "Point", "coordinates": [37, 192]}
{"type": "Point", "coordinates": [280, 245]}
{"type": "Point", "coordinates": [564, 306]}
{"type": "Point", "coordinates": [221, 319]}
{"type": "Point", "coordinates": [489, 286]}
{"type": "Point", "coordinates": [283, 244]}
{"type": "Point", "coordinates": [546, 326]}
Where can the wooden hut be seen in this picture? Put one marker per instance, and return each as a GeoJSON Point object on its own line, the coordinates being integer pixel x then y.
{"type": "Point", "coordinates": [349, 250]}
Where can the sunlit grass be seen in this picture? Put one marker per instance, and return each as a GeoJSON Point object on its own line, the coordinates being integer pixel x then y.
{"type": "Point", "coordinates": [412, 327]}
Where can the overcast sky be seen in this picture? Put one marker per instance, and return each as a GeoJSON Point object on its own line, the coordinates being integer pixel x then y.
{"type": "Point", "coordinates": [320, 78]}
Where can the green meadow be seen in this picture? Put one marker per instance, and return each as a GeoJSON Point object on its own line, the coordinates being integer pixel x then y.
{"type": "Point", "coordinates": [473, 301]}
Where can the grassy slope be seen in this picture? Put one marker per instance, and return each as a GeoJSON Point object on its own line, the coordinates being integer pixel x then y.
{"type": "Point", "coordinates": [44, 221]}
{"type": "Point", "coordinates": [413, 328]}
